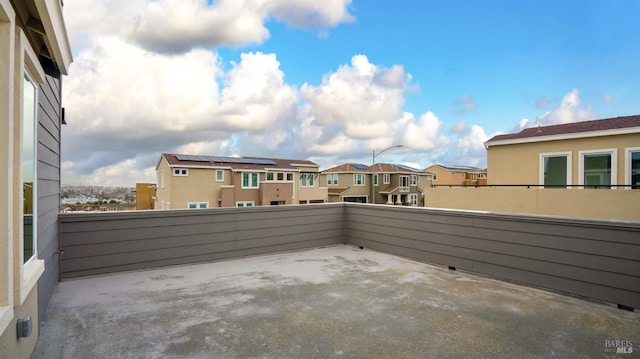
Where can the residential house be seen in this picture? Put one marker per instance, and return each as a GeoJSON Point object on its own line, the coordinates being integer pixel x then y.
{"type": "Point", "coordinates": [186, 181]}
{"type": "Point", "coordinates": [457, 175]}
{"type": "Point", "coordinates": [145, 196]}
{"type": "Point", "coordinates": [583, 169]}
{"type": "Point", "coordinates": [385, 183]}
{"type": "Point", "coordinates": [34, 55]}
{"type": "Point", "coordinates": [601, 153]}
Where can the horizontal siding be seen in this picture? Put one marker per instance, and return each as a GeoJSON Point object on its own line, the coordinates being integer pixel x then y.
{"type": "Point", "coordinates": [594, 258]}
{"type": "Point", "coordinates": [100, 243]}
{"type": "Point", "coordinates": [48, 189]}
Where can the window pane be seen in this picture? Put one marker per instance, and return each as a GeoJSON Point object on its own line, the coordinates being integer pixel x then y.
{"type": "Point", "coordinates": [245, 179]}
{"type": "Point", "coordinates": [280, 176]}
{"type": "Point", "coordinates": [28, 165]}
{"type": "Point", "coordinates": [192, 205]}
{"type": "Point", "coordinates": [635, 169]}
{"type": "Point", "coordinates": [289, 176]}
{"type": "Point", "coordinates": [270, 176]}
{"type": "Point", "coordinates": [555, 172]}
{"type": "Point", "coordinates": [254, 180]}
{"type": "Point", "coordinates": [311, 179]}
{"type": "Point", "coordinates": [303, 180]}
{"type": "Point", "coordinates": [597, 170]}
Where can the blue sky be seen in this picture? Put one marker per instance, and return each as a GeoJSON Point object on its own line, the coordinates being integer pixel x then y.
{"type": "Point", "coordinates": [332, 81]}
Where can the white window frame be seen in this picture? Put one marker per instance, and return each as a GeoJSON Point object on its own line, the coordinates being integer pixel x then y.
{"type": "Point", "coordinates": [627, 164]}
{"type": "Point", "coordinates": [386, 178]}
{"type": "Point", "coordinates": [613, 152]}
{"type": "Point", "coordinates": [434, 177]}
{"type": "Point", "coordinates": [375, 179]}
{"type": "Point", "coordinates": [180, 172]}
{"type": "Point", "coordinates": [245, 204]}
{"type": "Point", "coordinates": [198, 205]}
{"type": "Point", "coordinates": [307, 180]}
{"type": "Point", "coordinates": [359, 177]}
{"type": "Point", "coordinates": [413, 199]}
{"type": "Point", "coordinates": [402, 187]}
{"type": "Point", "coordinates": [332, 179]}
{"type": "Point", "coordinates": [219, 175]}
{"type": "Point", "coordinates": [414, 180]}
{"type": "Point", "coordinates": [542, 156]}
{"type": "Point", "coordinates": [250, 174]}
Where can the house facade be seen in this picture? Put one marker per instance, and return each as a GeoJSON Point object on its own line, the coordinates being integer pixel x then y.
{"type": "Point", "coordinates": [585, 169]}
{"type": "Point", "coordinates": [382, 183]}
{"type": "Point", "coordinates": [34, 55]}
{"type": "Point", "coordinates": [186, 181]}
{"type": "Point", "coordinates": [592, 154]}
{"type": "Point", "coordinates": [457, 175]}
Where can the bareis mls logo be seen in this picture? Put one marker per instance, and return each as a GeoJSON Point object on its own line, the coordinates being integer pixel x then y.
{"type": "Point", "coordinates": [618, 346]}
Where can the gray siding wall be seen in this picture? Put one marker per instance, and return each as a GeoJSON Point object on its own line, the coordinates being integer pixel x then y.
{"type": "Point", "coordinates": [48, 188]}
{"type": "Point", "coordinates": [593, 258]}
{"type": "Point", "coordinates": [98, 243]}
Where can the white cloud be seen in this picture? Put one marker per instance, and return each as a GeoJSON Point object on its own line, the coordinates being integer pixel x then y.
{"type": "Point", "coordinates": [190, 24]}
{"type": "Point", "coordinates": [425, 134]}
{"type": "Point", "coordinates": [362, 98]}
{"type": "Point", "coordinates": [570, 110]}
{"type": "Point", "coordinates": [255, 97]}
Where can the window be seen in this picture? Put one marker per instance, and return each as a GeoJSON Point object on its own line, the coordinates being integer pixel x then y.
{"type": "Point", "coordinates": [270, 176]}
{"type": "Point", "coordinates": [249, 180]}
{"type": "Point", "coordinates": [180, 172]}
{"type": "Point", "coordinates": [245, 204]}
{"type": "Point", "coordinates": [474, 177]}
{"type": "Point", "coordinates": [386, 178]}
{"type": "Point", "coordinates": [306, 180]}
{"type": "Point", "coordinates": [414, 180]}
{"type": "Point", "coordinates": [29, 145]}
{"type": "Point", "coordinates": [632, 167]}
{"type": "Point", "coordinates": [598, 168]}
{"type": "Point", "coordinates": [434, 176]}
{"type": "Point", "coordinates": [358, 179]}
{"type": "Point", "coordinates": [413, 199]}
{"type": "Point", "coordinates": [219, 175]}
{"type": "Point", "coordinates": [375, 179]}
{"type": "Point", "coordinates": [280, 176]}
{"type": "Point", "coordinates": [555, 169]}
{"type": "Point", "coordinates": [403, 182]}
{"type": "Point", "coordinates": [332, 179]}
{"type": "Point", "coordinates": [197, 205]}
{"type": "Point", "coordinates": [290, 176]}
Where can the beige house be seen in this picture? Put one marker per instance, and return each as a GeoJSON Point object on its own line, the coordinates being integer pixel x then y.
{"type": "Point", "coordinates": [601, 153]}
{"type": "Point", "coordinates": [392, 184]}
{"type": "Point", "coordinates": [186, 181]}
{"type": "Point", "coordinates": [457, 175]}
{"type": "Point", "coordinates": [583, 169]}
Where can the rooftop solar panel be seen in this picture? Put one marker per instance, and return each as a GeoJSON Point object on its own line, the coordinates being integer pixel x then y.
{"type": "Point", "coordinates": [409, 168]}
{"type": "Point", "coordinates": [242, 160]}
{"type": "Point", "coordinates": [359, 166]}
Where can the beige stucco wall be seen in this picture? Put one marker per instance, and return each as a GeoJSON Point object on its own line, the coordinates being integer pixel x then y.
{"type": "Point", "coordinates": [445, 176]}
{"type": "Point", "coordinates": [519, 163]}
{"type": "Point", "coordinates": [10, 345]}
{"type": "Point", "coordinates": [589, 203]}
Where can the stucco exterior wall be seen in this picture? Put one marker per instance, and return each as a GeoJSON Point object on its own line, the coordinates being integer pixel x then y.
{"type": "Point", "coordinates": [10, 345]}
{"type": "Point", "coordinates": [519, 163]}
{"type": "Point", "coordinates": [587, 203]}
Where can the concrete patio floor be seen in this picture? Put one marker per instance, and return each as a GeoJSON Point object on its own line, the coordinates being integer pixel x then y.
{"type": "Point", "coordinates": [337, 301]}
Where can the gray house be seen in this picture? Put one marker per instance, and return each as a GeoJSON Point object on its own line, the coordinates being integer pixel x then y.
{"type": "Point", "coordinates": [34, 54]}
